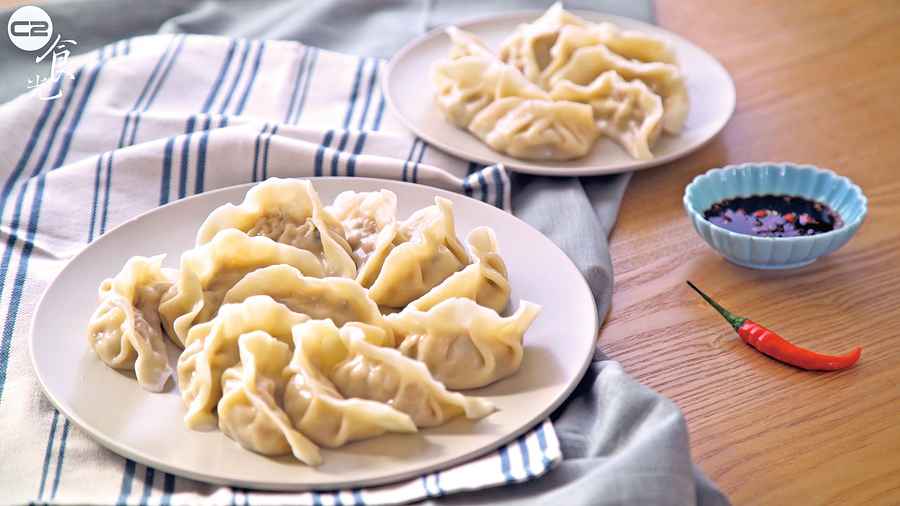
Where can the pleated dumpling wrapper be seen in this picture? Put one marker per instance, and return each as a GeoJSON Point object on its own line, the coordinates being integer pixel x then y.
{"type": "Point", "coordinates": [212, 347]}
{"type": "Point", "coordinates": [317, 408]}
{"type": "Point", "coordinates": [355, 359]}
{"type": "Point", "coordinates": [464, 345]}
{"type": "Point", "coordinates": [249, 411]}
{"type": "Point", "coordinates": [485, 281]}
{"type": "Point", "coordinates": [339, 299]}
{"type": "Point", "coordinates": [209, 271]}
{"type": "Point", "coordinates": [125, 329]}
{"type": "Point", "coordinates": [287, 211]}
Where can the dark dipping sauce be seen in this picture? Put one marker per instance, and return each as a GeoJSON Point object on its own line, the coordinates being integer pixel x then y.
{"type": "Point", "coordinates": [773, 216]}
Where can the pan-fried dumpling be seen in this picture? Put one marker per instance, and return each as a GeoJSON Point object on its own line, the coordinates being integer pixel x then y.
{"type": "Point", "coordinates": [473, 77]}
{"type": "Point", "coordinates": [485, 281]}
{"type": "Point", "coordinates": [321, 413]}
{"type": "Point", "coordinates": [627, 112]}
{"type": "Point", "coordinates": [431, 254]}
{"type": "Point", "coordinates": [340, 299]}
{"type": "Point", "coordinates": [287, 211]}
{"type": "Point", "coordinates": [125, 330]}
{"type": "Point", "coordinates": [212, 347]}
{"type": "Point", "coordinates": [536, 129]}
{"type": "Point", "coordinates": [664, 79]}
{"type": "Point", "coordinates": [358, 364]}
{"type": "Point", "coordinates": [363, 215]}
{"type": "Point", "coordinates": [249, 412]}
{"type": "Point", "coordinates": [209, 271]}
{"type": "Point", "coordinates": [463, 344]}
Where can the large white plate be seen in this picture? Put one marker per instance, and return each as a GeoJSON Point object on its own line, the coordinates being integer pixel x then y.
{"type": "Point", "coordinates": [410, 95]}
{"type": "Point", "coordinates": [148, 427]}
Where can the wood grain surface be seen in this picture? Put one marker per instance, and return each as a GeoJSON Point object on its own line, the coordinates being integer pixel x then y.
{"type": "Point", "coordinates": [817, 82]}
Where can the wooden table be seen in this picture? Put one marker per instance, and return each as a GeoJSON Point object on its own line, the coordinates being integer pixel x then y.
{"type": "Point", "coordinates": [817, 82]}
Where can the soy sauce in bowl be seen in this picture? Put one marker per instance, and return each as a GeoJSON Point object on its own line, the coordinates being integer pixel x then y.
{"type": "Point", "coordinates": [773, 216]}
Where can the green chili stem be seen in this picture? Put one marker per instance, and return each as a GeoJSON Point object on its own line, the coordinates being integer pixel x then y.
{"type": "Point", "coordinates": [735, 321]}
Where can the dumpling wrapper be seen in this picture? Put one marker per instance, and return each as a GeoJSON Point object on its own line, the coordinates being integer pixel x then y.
{"type": "Point", "coordinates": [364, 215]}
{"type": "Point", "coordinates": [125, 329]}
{"type": "Point", "coordinates": [212, 347]}
{"type": "Point", "coordinates": [287, 211]}
{"type": "Point", "coordinates": [209, 271]}
{"type": "Point", "coordinates": [486, 281]}
{"type": "Point", "coordinates": [536, 129]}
{"type": "Point", "coordinates": [318, 410]}
{"type": "Point", "coordinates": [356, 361]}
{"type": "Point", "coordinates": [626, 111]}
{"type": "Point", "coordinates": [249, 412]}
{"type": "Point", "coordinates": [464, 345]}
{"type": "Point", "coordinates": [418, 254]}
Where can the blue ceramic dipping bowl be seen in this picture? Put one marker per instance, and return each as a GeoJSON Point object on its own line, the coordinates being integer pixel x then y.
{"type": "Point", "coordinates": [748, 179]}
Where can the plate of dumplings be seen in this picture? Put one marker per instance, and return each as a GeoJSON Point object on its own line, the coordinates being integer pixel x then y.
{"type": "Point", "coordinates": [560, 93]}
{"type": "Point", "coordinates": [319, 333]}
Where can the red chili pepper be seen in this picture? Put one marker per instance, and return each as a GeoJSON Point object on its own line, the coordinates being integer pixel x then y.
{"type": "Point", "coordinates": [780, 348]}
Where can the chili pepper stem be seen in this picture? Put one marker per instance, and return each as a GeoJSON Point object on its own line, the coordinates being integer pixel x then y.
{"type": "Point", "coordinates": [735, 321]}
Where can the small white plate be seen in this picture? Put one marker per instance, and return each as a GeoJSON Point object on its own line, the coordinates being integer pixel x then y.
{"type": "Point", "coordinates": [148, 428]}
{"type": "Point", "coordinates": [410, 95]}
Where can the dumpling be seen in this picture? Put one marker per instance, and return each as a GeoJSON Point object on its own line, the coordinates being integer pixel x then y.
{"type": "Point", "coordinates": [287, 211]}
{"type": "Point", "coordinates": [414, 266]}
{"type": "Point", "coordinates": [587, 63]}
{"type": "Point", "coordinates": [485, 281]}
{"type": "Point", "coordinates": [536, 129]}
{"type": "Point", "coordinates": [249, 412]}
{"type": "Point", "coordinates": [125, 330]}
{"type": "Point", "coordinates": [540, 48]}
{"type": "Point", "coordinates": [463, 344]}
{"type": "Point", "coordinates": [212, 347]}
{"type": "Point", "coordinates": [364, 215]}
{"type": "Point", "coordinates": [627, 112]}
{"type": "Point", "coordinates": [358, 364]}
{"type": "Point", "coordinates": [340, 299]}
{"type": "Point", "coordinates": [209, 271]}
{"type": "Point", "coordinates": [473, 78]}
{"type": "Point", "coordinates": [320, 412]}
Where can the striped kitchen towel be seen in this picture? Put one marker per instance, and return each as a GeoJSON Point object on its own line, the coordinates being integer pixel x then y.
{"type": "Point", "coordinates": [153, 119]}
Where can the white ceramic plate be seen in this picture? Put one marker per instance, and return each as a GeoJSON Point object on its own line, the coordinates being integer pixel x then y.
{"type": "Point", "coordinates": [410, 96]}
{"type": "Point", "coordinates": [148, 427]}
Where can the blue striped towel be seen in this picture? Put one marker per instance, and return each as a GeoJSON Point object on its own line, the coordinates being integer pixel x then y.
{"type": "Point", "coordinates": [153, 119]}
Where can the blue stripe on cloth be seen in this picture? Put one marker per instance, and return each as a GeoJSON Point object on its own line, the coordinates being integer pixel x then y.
{"type": "Point", "coordinates": [498, 180]}
{"type": "Point", "coordinates": [357, 497]}
{"type": "Point", "coordinates": [253, 73]}
{"type": "Point", "coordinates": [424, 480]}
{"type": "Point", "coordinates": [159, 84]}
{"type": "Point", "coordinates": [320, 152]}
{"type": "Point", "coordinates": [361, 138]}
{"type": "Point", "coordinates": [542, 443]}
{"type": "Point", "coordinates": [148, 485]}
{"type": "Point", "coordinates": [342, 144]}
{"type": "Point", "coordinates": [201, 160]}
{"type": "Point", "coordinates": [217, 84]}
{"type": "Point", "coordinates": [97, 174]}
{"type": "Point", "coordinates": [482, 184]}
{"type": "Point", "coordinates": [307, 79]}
{"type": "Point", "coordinates": [504, 464]}
{"type": "Point", "coordinates": [409, 156]}
{"type": "Point", "coordinates": [166, 179]}
{"type": "Point", "coordinates": [168, 490]}
{"type": "Point", "coordinates": [47, 453]}
{"type": "Point", "coordinates": [301, 70]}
{"type": "Point", "coordinates": [526, 464]}
{"type": "Point", "coordinates": [142, 95]}
{"type": "Point", "coordinates": [265, 162]}
{"type": "Point", "coordinates": [316, 500]}
{"type": "Point", "coordinates": [415, 170]}
{"type": "Point", "coordinates": [354, 92]}
{"type": "Point", "coordinates": [60, 458]}
{"type": "Point", "coordinates": [237, 75]}
{"type": "Point", "coordinates": [437, 483]}
{"type": "Point", "coordinates": [254, 176]}
{"type": "Point", "coordinates": [380, 112]}
{"type": "Point", "coordinates": [185, 158]}
{"type": "Point", "coordinates": [127, 478]}
{"type": "Point", "coordinates": [109, 162]}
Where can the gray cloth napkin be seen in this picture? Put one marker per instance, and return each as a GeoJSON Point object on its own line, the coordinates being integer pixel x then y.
{"type": "Point", "coordinates": [622, 443]}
